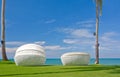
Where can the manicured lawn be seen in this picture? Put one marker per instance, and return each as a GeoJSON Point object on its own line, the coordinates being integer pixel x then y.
{"type": "Point", "coordinates": [8, 69]}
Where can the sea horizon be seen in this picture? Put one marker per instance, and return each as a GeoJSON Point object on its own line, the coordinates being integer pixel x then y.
{"type": "Point", "coordinates": [104, 61]}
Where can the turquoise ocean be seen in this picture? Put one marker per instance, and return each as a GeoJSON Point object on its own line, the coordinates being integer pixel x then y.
{"type": "Point", "coordinates": [104, 61]}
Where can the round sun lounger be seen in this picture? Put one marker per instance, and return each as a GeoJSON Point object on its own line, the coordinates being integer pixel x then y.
{"type": "Point", "coordinates": [75, 58]}
{"type": "Point", "coordinates": [30, 54]}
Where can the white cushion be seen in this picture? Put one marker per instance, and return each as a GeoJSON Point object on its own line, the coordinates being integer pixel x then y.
{"type": "Point", "coordinates": [75, 58]}
{"type": "Point", "coordinates": [30, 54]}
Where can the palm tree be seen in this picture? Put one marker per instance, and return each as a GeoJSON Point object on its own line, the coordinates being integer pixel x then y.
{"type": "Point", "coordinates": [4, 57]}
{"type": "Point", "coordinates": [98, 8]}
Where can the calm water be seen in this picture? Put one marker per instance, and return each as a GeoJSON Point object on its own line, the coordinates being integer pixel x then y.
{"type": "Point", "coordinates": [105, 61]}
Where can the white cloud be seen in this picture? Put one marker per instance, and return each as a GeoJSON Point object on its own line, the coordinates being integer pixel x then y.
{"type": "Point", "coordinates": [50, 21]}
{"type": "Point", "coordinates": [40, 42]}
{"type": "Point", "coordinates": [10, 49]}
{"type": "Point", "coordinates": [70, 41]}
{"type": "Point", "coordinates": [54, 48]}
{"type": "Point", "coordinates": [18, 43]}
{"type": "Point", "coordinates": [110, 45]}
{"type": "Point", "coordinates": [84, 37]}
{"type": "Point", "coordinates": [109, 42]}
{"type": "Point", "coordinates": [87, 24]}
{"type": "Point", "coordinates": [85, 33]}
{"type": "Point", "coordinates": [57, 48]}
{"type": "Point", "coordinates": [79, 41]}
{"type": "Point", "coordinates": [84, 40]}
{"type": "Point", "coordinates": [79, 37]}
{"type": "Point", "coordinates": [108, 36]}
{"type": "Point", "coordinates": [12, 46]}
{"type": "Point", "coordinates": [78, 33]}
{"type": "Point", "coordinates": [15, 43]}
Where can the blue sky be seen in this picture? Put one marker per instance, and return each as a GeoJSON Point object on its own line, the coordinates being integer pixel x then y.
{"type": "Point", "coordinates": [62, 26]}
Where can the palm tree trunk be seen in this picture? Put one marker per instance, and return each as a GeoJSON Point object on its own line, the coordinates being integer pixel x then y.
{"type": "Point", "coordinates": [97, 28]}
{"type": "Point", "coordinates": [4, 56]}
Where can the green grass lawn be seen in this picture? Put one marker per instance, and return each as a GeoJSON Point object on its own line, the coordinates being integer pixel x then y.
{"type": "Point", "coordinates": [9, 69]}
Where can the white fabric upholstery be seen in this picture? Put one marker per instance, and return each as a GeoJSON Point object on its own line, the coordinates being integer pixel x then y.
{"type": "Point", "coordinates": [75, 58]}
{"type": "Point", "coordinates": [30, 54]}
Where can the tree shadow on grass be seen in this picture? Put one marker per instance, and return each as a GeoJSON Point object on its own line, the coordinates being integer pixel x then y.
{"type": "Point", "coordinates": [36, 65]}
{"type": "Point", "coordinates": [7, 62]}
{"type": "Point", "coordinates": [4, 75]}
{"type": "Point", "coordinates": [114, 70]}
{"type": "Point", "coordinates": [18, 74]}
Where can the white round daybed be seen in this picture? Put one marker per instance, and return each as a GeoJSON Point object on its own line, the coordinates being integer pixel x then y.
{"type": "Point", "coordinates": [30, 54]}
{"type": "Point", "coordinates": [75, 58]}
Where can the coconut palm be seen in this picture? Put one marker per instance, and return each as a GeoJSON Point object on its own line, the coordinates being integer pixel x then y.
{"type": "Point", "coordinates": [98, 8]}
{"type": "Point", "coordinates": [4, 57]}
